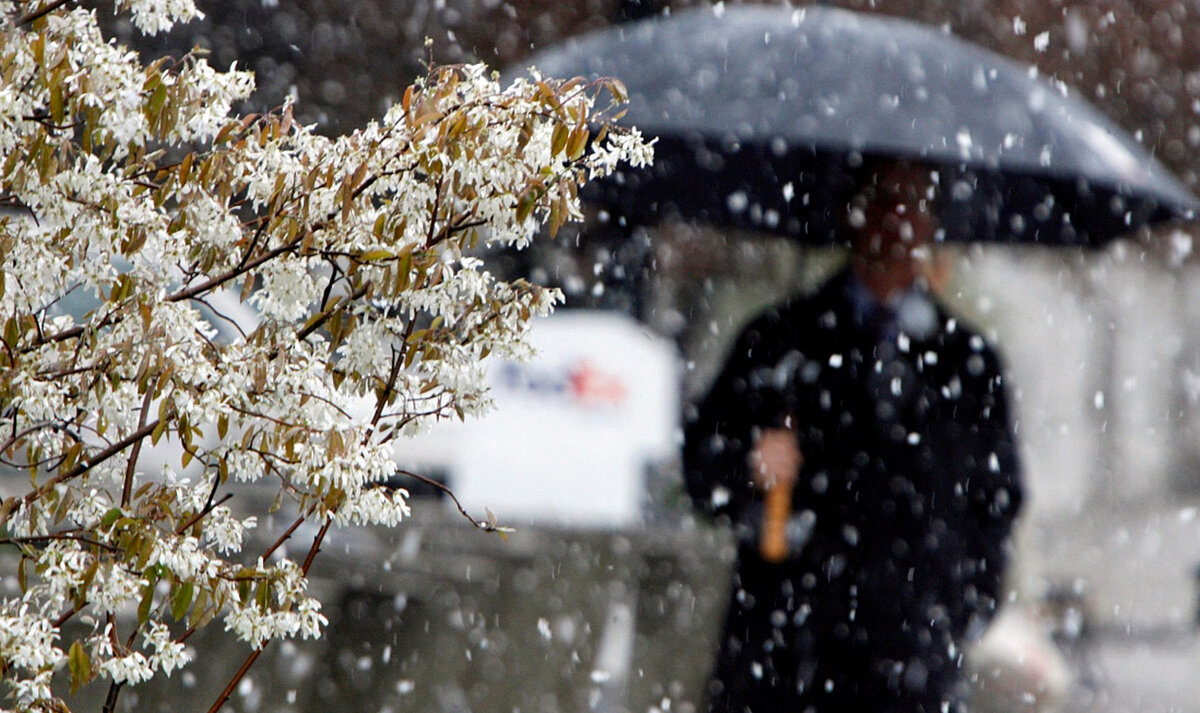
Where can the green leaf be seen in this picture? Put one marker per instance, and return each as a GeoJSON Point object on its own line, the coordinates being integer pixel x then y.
{"type": "Point", "coordinates": [80, 664]}
{"type": "Point", "coordinates": [158, 431]}
{"type": "Point", "coordinates": [577, 142]}
{"type": "Point", "coordinates": [145, 604]}
{"type": "Point", "coordinates": [12, 332]}
{"type": "Point", "coordinates": [110, 517]}
{"type": "Point", "coordinates": [558, 140]}
{"type": "Point", "coordinates": [373, 255]}
{"type": "Point", "coordinates": [57, 103]}
{"type": "Point", "coordinates": [88, 577]}
{"type": "Point", "coordinates": [181, 599]}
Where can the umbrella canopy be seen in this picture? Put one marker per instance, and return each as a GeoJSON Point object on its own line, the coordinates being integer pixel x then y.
{"type": "Point", "coordinates": [764, 113]}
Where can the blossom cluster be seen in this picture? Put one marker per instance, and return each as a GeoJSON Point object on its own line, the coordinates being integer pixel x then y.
{"type": "Point", "coordinates": [193, 303]}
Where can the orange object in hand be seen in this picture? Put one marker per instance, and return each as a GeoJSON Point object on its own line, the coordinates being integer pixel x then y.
{"type": "Point", "coordinates": [773, 545]}
{"type": "Point", "coordinates": [775, 462]}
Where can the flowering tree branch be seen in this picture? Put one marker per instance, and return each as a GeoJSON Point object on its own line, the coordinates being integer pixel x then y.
{"type": "Point", "coordinates": [194, 303]}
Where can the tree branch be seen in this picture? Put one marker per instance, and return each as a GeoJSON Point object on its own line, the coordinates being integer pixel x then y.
{"type": "Point", "coordinates": [11, 503]}
{"type": "Point", "coordinates": [131, 465]}
{"type": "Point", "coordinates": [485, 525]}
{"type": "Point", "coordinates": [18, 541]}
{"type": "Point", "coordinates": [253, 656]}
{"type": "Point", "coordinates": [322, 318]}
{"type": "Point", "coordinates": [215, 282]}
{"type": "Point", "coordinates": [42, 12]}
{"type": "Point", "coordinates": [208, 507]}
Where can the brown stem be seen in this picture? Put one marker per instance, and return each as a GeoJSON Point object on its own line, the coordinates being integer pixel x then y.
{"type": "Point", "coordinates": [131, 465]}
{"type": "Point", "coordinates": [287, 534]}
{"type": "Point", "coordinates": [381, 400]}
{"type": "Point", "coordinates": [237, 678]}
{"type": "Point", "coordinates": [52, 425]}
{"type": "Point", "coordinates": [71, 333]}
{"type": "Point", "coordinates": [110, 701]}
{"type": "Point", "coordinates": [59, 536]}
{"type": "Point", "coordinates": [66, 616]}
{"type": "Point", "coordinates": [324, 316]}
{"type": "Point", "coordinates": [42, 12]}
{"type": "Point", "coordinates": [114, 689]}
{"type": "Point", "coordinates": [316, 546]}
{"type": "Point", "coordinates": [250, 659]}
{"type": "Point", "coordinates": [484, 525]}
{"type": "Point", "coordinates": [208, 507]}
{"type": "Point", "coordinates": [219, 280]}
{"type": "Point", "coordinates": [12, 503]}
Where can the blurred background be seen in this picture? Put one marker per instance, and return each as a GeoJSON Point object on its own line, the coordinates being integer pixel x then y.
{"type": "Point", "coordinates": [609, 595]}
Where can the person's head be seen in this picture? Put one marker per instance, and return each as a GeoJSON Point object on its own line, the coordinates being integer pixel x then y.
{"type": "Point", "coordinates": [892, 225]}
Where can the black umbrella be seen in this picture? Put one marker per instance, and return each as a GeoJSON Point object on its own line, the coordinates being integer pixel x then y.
{"type": "Point", "coordinates": [763, 113]}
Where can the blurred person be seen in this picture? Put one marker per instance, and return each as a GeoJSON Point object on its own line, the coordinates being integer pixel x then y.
{"type": "Point", "coordinates": [875, 426]}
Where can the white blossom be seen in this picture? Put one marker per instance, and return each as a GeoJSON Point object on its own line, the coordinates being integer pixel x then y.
{"type": "Point", "coordinates": [268, 311]}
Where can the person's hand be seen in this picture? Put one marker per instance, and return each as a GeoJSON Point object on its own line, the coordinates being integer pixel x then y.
{"type": "Point", "coordinates": [775, 459]}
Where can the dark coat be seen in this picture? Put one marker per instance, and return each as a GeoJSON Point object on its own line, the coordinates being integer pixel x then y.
{"type": "Point", "coordinates": [904, 503]}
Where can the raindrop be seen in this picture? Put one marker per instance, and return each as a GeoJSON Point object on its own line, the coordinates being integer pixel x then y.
{"type": "Point", "coordinates": [1181, 247]}
{"type": "Point", "coordinates": [961, 191]}
{"type": "Point", "coordinates": [963, 137]}
{"type": "Point", "coordinates": [979, 79]}
{"type": "Point", "coordinates": [737, 202]}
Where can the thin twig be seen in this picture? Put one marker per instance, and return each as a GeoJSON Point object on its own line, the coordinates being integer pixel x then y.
{"type": "Point", "coordinates": [253, 656]}
{"type": "Point", "coordinates": [323, 317]}
{"type": "Point", "coordinates": [131, 465]}
{"type": "Point", "coordinates": [209, 507]}
{"type": "Point", "coordinates": [12, 503]}
{"type": "Point", "coordinates": [485, 525]}
{"type": "Point", "coordinates": [52, 425]}
{"type": "Point", "coordinates": [316, 546]}
{"type": "Point", "coordinates": [190, 292]}
{"type": "Point", "coordinates": [42, 12]}
{"type": "Point", "coordinates": [18, 541]}
{"type": "Point", "coordinates": [110, 701]}
{"type": "Point", "coordinates": [66, 616]}
{"type": "Point", "coordinates": [287, 534]}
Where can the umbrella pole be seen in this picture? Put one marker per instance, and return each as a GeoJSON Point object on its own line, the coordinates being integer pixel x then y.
{"type": "Point", "coordinates": [773, 545]}
{"type": "Point", "coordinates": [776, 460]}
